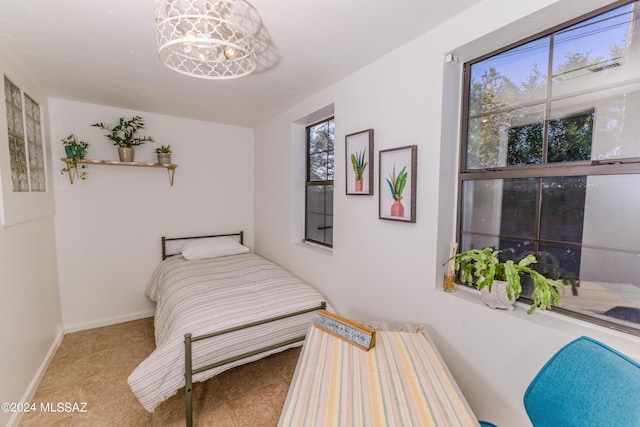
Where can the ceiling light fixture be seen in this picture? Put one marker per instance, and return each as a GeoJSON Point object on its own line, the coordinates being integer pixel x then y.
{"type": "Point", "coordinates": [209, 39]}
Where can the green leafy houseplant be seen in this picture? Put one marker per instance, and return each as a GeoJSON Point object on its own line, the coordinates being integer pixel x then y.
{"type": "Point", "coordinates": [124, 134]}
{"type": "Point", "coordinates": [164, 149]}
{"type": "Point", "coordinates": [358, 163]}
{"type": "Point", "coordinates": [75, 150]}
{"type": "Point", "coordinates": [484, 267]}
{"type": "Point", "coordinates": [164, 154]}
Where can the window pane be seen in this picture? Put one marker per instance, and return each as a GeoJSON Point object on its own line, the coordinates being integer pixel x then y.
{"type": "Point", "coordinates": [509, 78]}
{"type": "Point", "coordinates": [319, 198]}
{"type": "Point", "coordinates": [519, 207]}
{"type": "Point", "coordinates": [506, 139]}
{"type": "Point", "coordinates": [609, 267]}
{"type": "Point", "coordinates": [319, 227]}
{"type": "Point", "coordinates": [34, 144]}
{"type": "Point", "coordinates": [321, 137]}
{"type": "Point", "coordinates": [595, 52]}
{"type": "Point", "coordinates": [320, 167]}
{"type": "Point", "coordinates": [616, 125]}
{"type": "Point", "coordinates": [525, 136]}
{"type": "Point", "coordinates": [570, 137]}
{"type": "Point", "coordinates": [500, 207]}
{"type": "Point", "coordinates": [18, 161]}
{"type": "Point", "coordinates": [611, 212]}
{"type": "Point", "coordinates": [562, 211]}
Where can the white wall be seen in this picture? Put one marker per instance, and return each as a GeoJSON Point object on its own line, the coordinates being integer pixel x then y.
{"type": "Point", "coordinates": [30, 315]}
{"type": "Point", "coordinates": [389, 270]}
{"type": "Point", "coordinates": [109, 227]}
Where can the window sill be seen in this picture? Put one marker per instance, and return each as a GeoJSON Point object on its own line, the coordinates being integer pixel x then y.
{"type": "Point", "coordinates": [560, 323]}
{"type": "Point", "coordinates": [316, 247]}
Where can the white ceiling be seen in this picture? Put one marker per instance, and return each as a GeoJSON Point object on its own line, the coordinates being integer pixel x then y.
{"type": "Point", "coordinates": [104, 52]}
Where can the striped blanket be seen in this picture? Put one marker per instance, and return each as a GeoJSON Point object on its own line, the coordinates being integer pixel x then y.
{"type": "Point", "coordinates": [402, 381]}
{"type": "Point", "coordinates": [204, 296]}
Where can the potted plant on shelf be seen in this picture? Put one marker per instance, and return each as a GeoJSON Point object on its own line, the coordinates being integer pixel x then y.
{"type": "Point", "coordinates": [164, 154]}
{"type": "Point", "coordinates": [124, 136]}
{"type": "Point", "coordinates": [499, 281]}
{"type": "Point", "coordinates": [75, 150]}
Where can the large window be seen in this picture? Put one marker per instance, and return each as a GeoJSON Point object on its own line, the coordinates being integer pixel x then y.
{"type": "Point", "coordinates": [551, 160]}
{"type": "Point", "coordinates": [319, 183]}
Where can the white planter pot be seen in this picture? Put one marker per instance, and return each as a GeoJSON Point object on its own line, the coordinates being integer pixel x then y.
{"type": "Point", "coordinates": [164, 158]}
{"type": "Point", "coordinates": [126, 154]}
{"type": "Point", "coordinates": [497, 298]}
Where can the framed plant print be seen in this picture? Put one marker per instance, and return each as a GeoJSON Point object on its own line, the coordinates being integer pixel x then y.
{"type": "Point", "coordinates": [359, 163]}
{"type": "Point", "coordinates": [398, 183]}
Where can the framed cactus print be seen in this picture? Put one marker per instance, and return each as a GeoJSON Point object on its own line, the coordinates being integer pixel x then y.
{"type": "Point", "coordinates": [359, 163]}
{"type": "Point", "coordinates": [398, 171]}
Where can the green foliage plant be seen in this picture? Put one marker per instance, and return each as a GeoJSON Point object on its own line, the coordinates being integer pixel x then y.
{"type": "Point", "coordinates": [75, 150]}
{"type": "Point", "coordinates": [358, 163]}
{"type": "Point", "coordinates": [124, 134]}
{"type": "Point", "coordinates": [398, 183]}
{"type": "Point", "coordinates": [483, 266]}
{"type": "Point", "coordinates": [164, 149]}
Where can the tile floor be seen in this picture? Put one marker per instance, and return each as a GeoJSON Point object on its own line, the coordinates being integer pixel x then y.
{"type": "Point", "coordinates": [92, 366]}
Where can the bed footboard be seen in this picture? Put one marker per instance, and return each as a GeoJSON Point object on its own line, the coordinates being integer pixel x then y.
{"type": "Point", "coordinates": [190, 371]}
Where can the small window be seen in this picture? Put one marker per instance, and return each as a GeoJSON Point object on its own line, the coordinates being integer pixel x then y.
{"type": "Point", "coordinates": [319, 183]}
{"type": "Point", "coordinates": [25, 140]}
{"type": "Point", "coordinates": [551, 161]}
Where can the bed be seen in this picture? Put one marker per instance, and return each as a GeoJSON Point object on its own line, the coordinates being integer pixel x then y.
{"type": "Point", "coordinates": [218, 306]}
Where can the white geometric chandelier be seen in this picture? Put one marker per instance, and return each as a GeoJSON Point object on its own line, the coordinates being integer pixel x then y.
{"type": "Point", "coordinates": [209, 39]}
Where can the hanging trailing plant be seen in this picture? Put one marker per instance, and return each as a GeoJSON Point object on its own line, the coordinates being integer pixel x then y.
{"type": "Point", "coordinates": [75, 150]}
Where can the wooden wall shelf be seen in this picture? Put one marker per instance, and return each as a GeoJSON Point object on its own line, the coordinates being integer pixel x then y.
{"type": "Point", "coordinates": [171, 168]}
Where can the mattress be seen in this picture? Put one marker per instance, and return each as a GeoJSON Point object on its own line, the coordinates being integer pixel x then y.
{"type": "Point", "coordinates": [205, 296]}
{"type": "Point", "coordinates": [401, 381]}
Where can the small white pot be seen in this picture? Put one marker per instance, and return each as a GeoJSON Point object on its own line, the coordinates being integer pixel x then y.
{"type": "Point", "coordinates": [497, 298]}
{"type": "Point", "coordinates": [126, 154]}
{"type": "Point", "coordinates": [164, 158]}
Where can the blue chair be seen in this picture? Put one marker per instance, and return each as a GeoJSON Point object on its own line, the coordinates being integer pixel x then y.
{"type": "Point", "coordinates": [585, 384]}
{"type": "Point", "coordinates": [486, 424]}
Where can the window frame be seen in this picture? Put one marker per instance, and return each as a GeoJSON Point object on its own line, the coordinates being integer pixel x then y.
{"type": "Point", "coordinates": [324, 183]}
{"type": "Point", "coordinates": [589, 168]}
{"type": "Point", "coordinates": [31, 137]}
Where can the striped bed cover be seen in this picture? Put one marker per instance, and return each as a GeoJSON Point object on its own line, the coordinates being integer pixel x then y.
{"type": "Point", "coordinates": [402, 381]}
{"type": "Point", "coordinates": [204, 296]}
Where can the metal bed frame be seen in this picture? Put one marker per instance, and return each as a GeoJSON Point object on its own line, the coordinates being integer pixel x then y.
{"type": "Point", "coordinates": [189, 339]}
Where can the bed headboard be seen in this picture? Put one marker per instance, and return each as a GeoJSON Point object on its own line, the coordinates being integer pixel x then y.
{"type": "Point", "coordinates": [166, 254]}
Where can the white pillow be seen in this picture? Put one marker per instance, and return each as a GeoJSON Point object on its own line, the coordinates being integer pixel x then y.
{"type": "Point", "coordinates": [212, 247]}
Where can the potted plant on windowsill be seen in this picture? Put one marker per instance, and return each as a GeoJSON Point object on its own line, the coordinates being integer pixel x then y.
{"type": "Point", "coordinates": [500, 281]}
{"type": "Point", "coordinates": [124, 136]}
{"type": "Point", "coordinates": [164, 154]}
{"type": "Point", "coordinates": [75, 150]}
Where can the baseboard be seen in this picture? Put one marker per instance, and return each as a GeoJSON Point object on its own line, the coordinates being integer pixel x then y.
{"type": "Point", "coordinates": [108, 321]}
{"type": "Point", "coordinates": [33, 386]}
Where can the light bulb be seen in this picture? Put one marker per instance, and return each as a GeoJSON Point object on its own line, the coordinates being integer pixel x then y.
{"type": "Point", "coordinates": [230, 52]}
